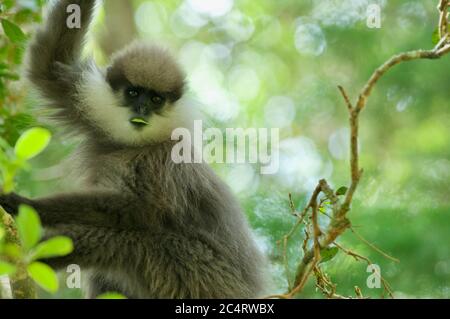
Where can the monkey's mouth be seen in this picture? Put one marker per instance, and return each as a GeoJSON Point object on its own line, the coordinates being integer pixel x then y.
{"type": "Point", "coordinates": [138, 122]}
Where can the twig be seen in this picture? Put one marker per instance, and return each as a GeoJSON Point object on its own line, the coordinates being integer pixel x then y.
{"type": "Point", "coordinates": [303, 281]}
{"type": "Point", "coordinates": [317, 232]}
{"type": "Point", "coordinates": [359, 257]}
{"type": "Point", "coordinates": [292, 206]}
{"type": "Point", "coordinates": [358, 292]}
{"type": "Point", "coordinates": [285, 239]}
{"type": "Point", "coordinates": [443, 18]}
{"type": "Point", "coordinates": [444, 50]}
{"type": "Point", "coordinates": [346, 98]}
{"type": "Point", "coordinates": [378, 250]}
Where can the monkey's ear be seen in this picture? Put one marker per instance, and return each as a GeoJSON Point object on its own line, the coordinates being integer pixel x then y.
{"type": "Point", "coordinates": [115, 78]}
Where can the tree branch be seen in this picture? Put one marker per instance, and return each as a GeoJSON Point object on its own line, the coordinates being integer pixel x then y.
{"type": "Point", "coordinates": [22, 286]}
{"type": "Point", "coordinates": [443, 18]}
{"type": "Point", "coordinates": [339, 223]}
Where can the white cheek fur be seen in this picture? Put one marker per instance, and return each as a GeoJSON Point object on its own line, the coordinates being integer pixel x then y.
{"type": "Point", "coordinates": [100, 105]}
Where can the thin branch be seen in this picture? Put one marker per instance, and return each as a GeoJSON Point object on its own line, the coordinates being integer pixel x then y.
{"type": "Point", "coordinates": [303, 281]}
{"type": "Point", "coordinates": [346, 98]}
{"type": "Point", "coordinates": [443, 18]}
{"type": "Point", "coordinates": [378, 250]}
{"type": "Point", "coordinates": [317, 232]}
{"type": "Point", "coordinates": [358, 292]}
{"type": "Point", "coordinates": [326, 286]}
{"type": "Point", "coordinates": [442, 42]}
{"type": "Point", "coordinates": [444, 50]}
{"type": "Point", "coordinates": [292, 206]}
{"type": "Point", "coordinates": [393, 61]}
{"type": "Point", "coordinates": [359, 257]}
{"type": "Point", "coordinates": [301, 217]}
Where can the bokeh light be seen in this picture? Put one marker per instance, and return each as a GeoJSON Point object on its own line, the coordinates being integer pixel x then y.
{"type": "Point", "coordinates": [279, 112]}
{"type": "Point", "coordinates": [309, 38]}
{"type": "Point", "coordinates": [214, 8]}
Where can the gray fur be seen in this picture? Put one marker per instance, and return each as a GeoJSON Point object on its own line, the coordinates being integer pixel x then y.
{"type": "Point", "coordinates": [53, 61]}
{"type": "Point", "coordinates": [145, 226]}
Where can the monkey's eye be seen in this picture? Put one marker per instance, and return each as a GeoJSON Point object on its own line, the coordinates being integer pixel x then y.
{"type": "Point", "coordinates": [132, 92]}
{"type": "Point", "coordinates": [158, 100]}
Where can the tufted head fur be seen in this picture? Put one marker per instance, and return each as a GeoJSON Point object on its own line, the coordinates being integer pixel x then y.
{"type": "Point", "coordinates": [148, 66]}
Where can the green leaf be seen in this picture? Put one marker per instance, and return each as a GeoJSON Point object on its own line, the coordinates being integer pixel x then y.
{"type": "Point", "coordinates": [342, 191]}
{"type": "Point", "coordinates": [2, 233]}
{"type": "Point", "coordinates": [435, 36]}
{"type": "Point", "coordinates": [28, 226]}
{"type": "Point", "coordinates": [32, 142]}
{"type": "Point", "coordinates": [139, 120]}
{"type": "Point", "coordinates": [8, 4]}
{"type": "Point", "coordinates": [13, 32]}
{"type": "Point", "coordinates": [44, 276]}
{"type": "Point", "coordinates": [54, 247]}
{"type": "Point", "coordinates": [6, 268]}
{"type": "Point", "coordinates": [322, 209]}
{"type": "Point", "coordinates": [111, 295]}
{"type": "Point", "coordinates": [328, 253]}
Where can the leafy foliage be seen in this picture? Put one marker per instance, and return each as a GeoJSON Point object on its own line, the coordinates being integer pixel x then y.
{"type": "Point", "coordinates": [28, 223]}
{"type": "Point", "coordinates": [31, 143]}
{"type": "Point", "coordinates": [44, 276]}
{"type": "Point", "coordinates": [13, 32]}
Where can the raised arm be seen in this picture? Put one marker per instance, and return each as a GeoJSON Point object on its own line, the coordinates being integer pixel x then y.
{"type": "Point", "coordinates": [54, 65]}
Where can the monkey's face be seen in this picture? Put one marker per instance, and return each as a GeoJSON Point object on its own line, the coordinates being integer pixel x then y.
{"type": "Point", "coordinates": [137, 102]}
{"type": "Point", "coordinates": [143, 103]}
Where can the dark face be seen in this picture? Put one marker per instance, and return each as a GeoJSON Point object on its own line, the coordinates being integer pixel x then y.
{"type": "Point", "coordinates": [142, 103]}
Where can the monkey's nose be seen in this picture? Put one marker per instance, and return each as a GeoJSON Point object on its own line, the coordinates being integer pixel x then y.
{"type": "Point", "coordinates": [143, 110]}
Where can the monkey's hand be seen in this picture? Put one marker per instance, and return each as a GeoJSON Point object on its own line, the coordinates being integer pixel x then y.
{"type": "Point", "coordinates": [11, 203]}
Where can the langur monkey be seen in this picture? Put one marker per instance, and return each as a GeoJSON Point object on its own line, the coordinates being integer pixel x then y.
{"type": "Point", "coordinates": [142, 225]}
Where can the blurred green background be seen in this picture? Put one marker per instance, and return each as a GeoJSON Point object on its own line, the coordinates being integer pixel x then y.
{"type": "Point", "coordinates": [277, 64]}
